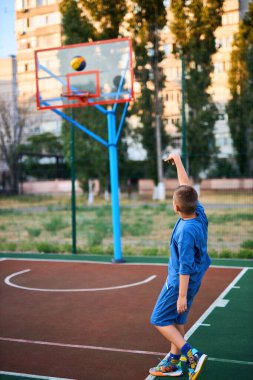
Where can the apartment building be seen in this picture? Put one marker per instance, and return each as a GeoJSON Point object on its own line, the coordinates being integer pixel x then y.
{"type": "Point", "coordinates": [38, 26]}
{"type": "Point", "coordinates": [234, 11]}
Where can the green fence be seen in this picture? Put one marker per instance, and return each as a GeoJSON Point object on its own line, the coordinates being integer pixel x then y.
{"type": "Point", "coordinates": [43, 224]}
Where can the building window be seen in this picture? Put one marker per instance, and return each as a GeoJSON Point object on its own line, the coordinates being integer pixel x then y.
{"type": "Point", "coordinates": [168, 48]}
{"type": "Point", "coordinates": [221, 116]}
{"type": "Point", "coordinates": [219, 67]}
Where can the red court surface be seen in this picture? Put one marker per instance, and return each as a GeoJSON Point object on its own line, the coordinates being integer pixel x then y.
{"type": "Point", "coordinates": [82, 333]}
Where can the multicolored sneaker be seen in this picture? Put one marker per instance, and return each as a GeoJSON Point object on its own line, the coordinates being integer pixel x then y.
{"type": "Point", "coordinates": [166, 368]}
{"type": "Point", "coordinates": [196, 361]}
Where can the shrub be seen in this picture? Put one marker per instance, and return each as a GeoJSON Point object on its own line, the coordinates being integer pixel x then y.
{"type": "Point", "coordinates": [245, 254]}
{"type": "Point", "coordinates": [55, 224]}
{"type": "Point", "coordinates": [47, 247]}
{"type": "Point", "coordinates": [248, 244]}
{"type": "Point", "coordinates": [8, 246]}
{"type": "Point", "coordinates": [33, 232]}
{"type": "Point", "coordinates": [95, 238]}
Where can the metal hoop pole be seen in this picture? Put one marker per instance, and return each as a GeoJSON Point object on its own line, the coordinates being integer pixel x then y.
{"type": "Point", "coordinates": [113, 158]}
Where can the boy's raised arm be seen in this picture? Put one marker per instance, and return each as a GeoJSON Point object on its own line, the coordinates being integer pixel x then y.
{"type": "Point", "coordinates": [183, 178]}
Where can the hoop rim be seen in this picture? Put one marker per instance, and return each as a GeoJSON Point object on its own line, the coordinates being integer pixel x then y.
{"type": "Point", "coordinates": [75, 94]}
{"type": "Point", "coordinates": [81, 96]}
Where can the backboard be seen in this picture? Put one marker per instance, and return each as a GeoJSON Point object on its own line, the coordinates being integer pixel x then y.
{"type": "Point", "coordinates": [106, 79]}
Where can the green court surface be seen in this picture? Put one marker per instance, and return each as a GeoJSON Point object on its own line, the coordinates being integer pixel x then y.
{"type": "Point", "coordinates": [228, 340]}
{"type": "Point", "coordinates": [225, 333]}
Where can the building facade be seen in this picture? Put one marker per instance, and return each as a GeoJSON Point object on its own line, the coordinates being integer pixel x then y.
{"type": "Point", "coordinates": [38, 26]}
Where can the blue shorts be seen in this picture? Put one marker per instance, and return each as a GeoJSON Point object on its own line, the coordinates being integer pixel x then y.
{"type": "Point", "coordinates": [165, 311]}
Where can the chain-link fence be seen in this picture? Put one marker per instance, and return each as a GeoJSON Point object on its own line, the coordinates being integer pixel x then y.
{"type": "Point", "coordinates": [39, 219]}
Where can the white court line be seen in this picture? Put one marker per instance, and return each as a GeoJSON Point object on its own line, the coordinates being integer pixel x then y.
{"type": "Point", "coordinates": [8, 282]}
{"type": "Point", "coordinates": [216, 303]}
{"type": "Point", "coordinates": [230, 361]}
{"type": "Point", "coordinates": [32, 376]}
{"type": "Point", "coordinates": [111, 349]}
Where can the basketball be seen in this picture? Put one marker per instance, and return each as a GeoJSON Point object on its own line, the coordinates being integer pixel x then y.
{"type": "Point", "coordinates": [78, 63]}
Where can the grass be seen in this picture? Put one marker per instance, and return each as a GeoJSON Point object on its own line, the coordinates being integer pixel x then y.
{"type": "Point", "coordinates": [232, 217]}
{"type": "Point", "coordinates": [56, 223]}
{"type": "Point", "coordinates": [43, 224]}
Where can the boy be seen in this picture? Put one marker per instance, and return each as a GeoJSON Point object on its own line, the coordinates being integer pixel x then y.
{"type": "Point", "coordinates": [188, 263]}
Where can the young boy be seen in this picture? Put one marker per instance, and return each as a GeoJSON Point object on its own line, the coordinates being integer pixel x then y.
{"type": "Point", "coordinates": [188, 263]}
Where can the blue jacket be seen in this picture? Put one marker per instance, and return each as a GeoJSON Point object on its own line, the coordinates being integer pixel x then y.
{"type": "Point", "coordinates": [188, 249]}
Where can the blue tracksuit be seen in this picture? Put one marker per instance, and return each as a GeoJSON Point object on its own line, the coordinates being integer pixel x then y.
{"type": "Point", "coordinates": [188, 255]}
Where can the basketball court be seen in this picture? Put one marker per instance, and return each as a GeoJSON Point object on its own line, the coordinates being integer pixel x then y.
{"type": "Point", "coordinates": [78, 317]}
{"type": "Point", "coordinates": [73, 318]}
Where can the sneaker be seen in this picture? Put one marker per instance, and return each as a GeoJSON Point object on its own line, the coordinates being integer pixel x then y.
{"type": "Point", "coordinates": [166, 368]}
{"type": "Point", "coordinates": [195, 363]}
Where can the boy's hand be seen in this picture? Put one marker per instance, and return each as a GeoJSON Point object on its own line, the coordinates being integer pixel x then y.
{"type": "Point", "coordinates": [172, 158]}
{"type": "Point", "coordinates": [175, 159]}
{"type": "Point", "coordinates": [181, 304]}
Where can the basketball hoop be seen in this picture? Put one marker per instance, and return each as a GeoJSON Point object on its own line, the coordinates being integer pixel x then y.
{"type": "Point", "coordinates": [81, 96]}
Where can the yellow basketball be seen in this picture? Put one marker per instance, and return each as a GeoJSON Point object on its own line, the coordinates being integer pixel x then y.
{"type": "Point", "coordinates": [78, 63]}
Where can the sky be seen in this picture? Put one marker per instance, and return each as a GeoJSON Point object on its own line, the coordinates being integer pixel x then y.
{"type": "Point", "coordinates": [7, 28]}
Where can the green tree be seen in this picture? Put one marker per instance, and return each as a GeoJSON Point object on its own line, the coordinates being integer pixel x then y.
{"type": "Point", "coordinates": [45, 145]}
{"type": "Point", "coordinates": [108, 15]}
{"type": "Point", "coordinates": [239, 108]}
{"type": "Point", "coordinates": [149, 18]}
{"type": "Point", "coordinates": [194, 25]}
{"type": "Point", "coordinates": [77, 27]}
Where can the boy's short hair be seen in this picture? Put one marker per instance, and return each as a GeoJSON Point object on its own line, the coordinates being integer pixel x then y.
{"type": "Point", "coordinates": [186, 198]}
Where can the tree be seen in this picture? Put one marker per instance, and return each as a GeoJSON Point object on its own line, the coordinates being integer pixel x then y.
{"type": "Point", "coordinates": [47, 147]}
{"type": "Point", "coordinates": [12, 127]}
{"type": "Point", "coordinates": [149, 19]}
{"type": "Point", "coordinates": [108, 15]}
{"type": "Point", "coordinates": [239, 108]}
{"type": "Point", "coordinates": [44, 143]}
{"type": "Point", "coordinates": [194, 25]}
{"type": "Point", "coordinates": [77, 27]}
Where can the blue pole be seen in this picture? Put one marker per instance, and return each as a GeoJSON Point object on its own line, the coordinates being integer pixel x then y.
{"type": "Point", "coordinates": [114, 179]}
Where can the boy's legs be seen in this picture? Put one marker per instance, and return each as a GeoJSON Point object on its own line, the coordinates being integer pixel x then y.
{"type": "Point", "coordinates": [170, 365]}
{"type": "Point", "coordinates": [174, 349]}
{"type": "Point", "coordinates": [173, 333]}
{"type": "Point", "coordinates": [195, 359]}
